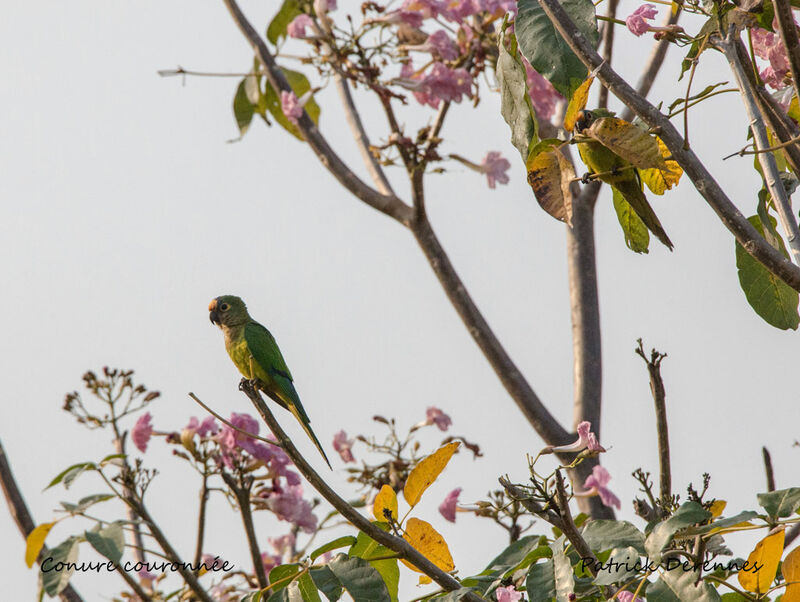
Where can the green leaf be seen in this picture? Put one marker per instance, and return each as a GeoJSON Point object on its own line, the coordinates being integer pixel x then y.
{"type": "Point", "coordinates": [359, 578]}
{"type": "Point", "coordinates": [607, 534]}
{"type": "Point", "coordinates": [254, 596]}
{"type": "Point", "coordinates": [327, 583]}
{"type": "Point", "coordinates": [367, 548]}
{"type": "Point", "coordinates": [68, 475]}
{"type": "Point", "coordinates": [339, 542]}
{"type": "Point", "coordinates": [110, 457]}
{"type": "Point", "coordinates": [540, 582]}
{"type": "Point", "coordinates": [723, 522]}
{"type": "Point", "coordinates": [678, 585]}
{"type": "Point", "coordinates": [515, 103]}
{"type": "Point", "coordinates": [619, 568]}
{"type": "Point", "coordinates": [243, 109]}
{"type": "Point", "coordinates": [55, 581]}
{"type": "Point", "coordinates": [687, 515]}
{"type": "Point", "coordinates": [637, 238]}
{"type": "Point", "coordinates": [300, 85]}
{"type": "Point", "coordinates": [277, 27]}
{"type": "Point", "coordinates": [770, 297]}
{"type": "Point", "coordinates": [454, 596]}
{"type": "Point", "coordinates": [781, 503]}
{"type": "Point", "coordinates": [109, 541]}
{"type": "Point", "coordinates": [515, 553]}
{"type": "Point", "coordinates": [87, 502]}
{"type": "Point", "coordinates": [546, 50]}
{"type": "Point", "coordinates": [562, 571]}
{"type": "Point", "coordinates": [282, 573]}
{"type": "Point", "coordinates": [308, 591]}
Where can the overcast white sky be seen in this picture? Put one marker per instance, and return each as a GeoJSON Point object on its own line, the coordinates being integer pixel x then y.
{"type": "Point", "coordinates": [124, 211]}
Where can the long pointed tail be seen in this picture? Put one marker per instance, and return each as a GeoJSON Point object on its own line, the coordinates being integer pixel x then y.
{"type": "Point", "coordinates": [305, 423]}
{"type": "Point", "coordinates": [632, 192]}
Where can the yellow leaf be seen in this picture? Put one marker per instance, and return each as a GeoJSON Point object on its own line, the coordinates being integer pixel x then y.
{"type": "Point", "coordinates": [385, 504]}
{"type": "Point", "coordinates": [791, 572]}
{"type": "Point", "coordinates": [35, 542]}
{"type": "Point", "coordinates": [577, 103]}
{"type": "Point", "coordinates": [427, 541]}
{"type": "Point", "coordinates": [767, 555]}
{"type": "Point", "coordinates": [426, 472]}
{"type": "Point", "coordinates": [628, 141]}
{"type": "Point", "coordinates": [549, 175]}
{"type": "Point", "coordinates": [424, 580]}
{"type": "Point", "coordinates": [717, 507]}
{"type": "Point", "coordinates": [659, 180]}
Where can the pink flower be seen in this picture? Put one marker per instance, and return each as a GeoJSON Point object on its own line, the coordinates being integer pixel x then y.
{"type": "Point", "coordinates": [448, 507]}
{"type": "Point", "coordinates": [146, 577]}
{"type": "Point", "coordinates": [499, 7]}
{"type": "Point", "coordinates": [438, 44]}
{"type": "Point", "coordinates": [435, 416]}
{"type": "Point", "coordinates": [207, 427]}
{"type": "Point", "coordinates": [211, 562]}
{"type": "Point", "coordinates": [768, 46]}
{"type": "Point", "coordinates": [343, 445]}
{"type": "Point", "coordinates": [291, 107]}
{"type": "Point", "coordinates": [297, 28]}
{"type": "Point", "coordinates": [142, 431]}
{"type": "Point", "coordinates": [440, 83]}
{"type": "Point", "coordinates": [289, 505]}
{"type": "Point", "coordinates": [544, 97]}
{"type": "Point", "coordinates": [636, 21]}
{"type": "Point", "coordinates": [231, 441]}
{"type": "Point", "coordinates": [626, 596]}
{"type": "Point", "coordinates": [507, 594]}
{"type": "Point", "coordinates": [282, 551]}
{"type": "Point", "coordinates": [458, 10]}
{"type": "Point", "coordinates": [396, 17]}
{"type": "Point", "coordinates": [595, 484]}
{"type": "Point", "coordinates": [429, 9]}
{"type": "Point", "coordinates": [495, 166]}
{"type": "Point", "coordinates": [586, 440]}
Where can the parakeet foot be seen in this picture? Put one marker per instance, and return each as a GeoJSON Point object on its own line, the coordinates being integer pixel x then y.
{"type": "Point", "coordinates": [586, 178]}
{"type": "Point", "coordinates": [248, 385]}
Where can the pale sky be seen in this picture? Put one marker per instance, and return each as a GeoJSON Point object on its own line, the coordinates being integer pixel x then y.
{"type": "Point", "coordinates": [125, 211]}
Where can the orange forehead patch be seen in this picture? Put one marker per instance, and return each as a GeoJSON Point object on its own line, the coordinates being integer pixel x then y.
{"type": "Point", "coordinates": [213, 305]}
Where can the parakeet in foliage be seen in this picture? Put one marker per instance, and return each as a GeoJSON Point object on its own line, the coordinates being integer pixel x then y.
{"type": "Point", "coordinates": [254, 351]}
{"type": "Point", "coordinates": [617, 172]}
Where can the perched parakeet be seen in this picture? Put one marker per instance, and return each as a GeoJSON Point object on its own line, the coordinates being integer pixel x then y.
{"type": "Point", "coordinates": [254, 351]}
{"type": "Point", "coordinates": [624, 177]}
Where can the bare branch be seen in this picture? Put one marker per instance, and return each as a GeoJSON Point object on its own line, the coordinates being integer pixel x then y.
{"type": "Point", "coordinates": [703, 181]}
{"type": "Point", "coordinates": [22, 517]}
{"type": "Point", "coordinates": [768, 469]}
{"type": "Point", "coordinates": [394, 543]}
{"type": "Point", "coordinates": [385, 203]}
{"type": "Point", "coordinates": [608, 46]}
{"type": "Point", "coordinates": [769, 166]}
{"type": "Point", "coordinates": [515, 383]}
{"type": "Point", "coordinates": [568, 525]}
{"type": "Point", "coordinates": [241, 492]}
{"type": "Point", "coordinates": [660, 400]}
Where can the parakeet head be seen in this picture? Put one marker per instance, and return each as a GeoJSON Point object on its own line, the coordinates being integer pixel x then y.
{"type": "Point", "coordinates": [228, 310]}
{"type": "Point", "coordinates": [585, 119]}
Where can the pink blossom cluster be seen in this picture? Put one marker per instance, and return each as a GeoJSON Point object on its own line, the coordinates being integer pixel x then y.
{"type": "Point", "coordinates": [282, 549]}
{"type": "Point", "coordinates": [768, 46]}
{"type": "Point", "coordinates": [344, 446]}
{"type": "Point", "coordinates": [289, 505]}
{"type": "Point", "coordinates": [437, 84]}
{"type": "Point", "coordinates": [637, 20]}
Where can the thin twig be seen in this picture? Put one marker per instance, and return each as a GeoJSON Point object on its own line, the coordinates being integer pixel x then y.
{"type": "Point", "coordinates": [22, 517]}
{"type": "Point", "coordinates": [201, 519]}
{"type": "Point", "coordinates": [769, 166]}
{"type": "Point", "coordinates": [768, 469]}
{"type": "Point", "coordinates": [659, 398]}
{"type": "Point", "coordinates": [232, 426]}
{"type": "Point", "coordinates": [569, 528]}
{"type": "Point", "coordinates": [608, 47]}
{"type": "Point", "coordinates": [241, 492]}
{"type": "Point", "coordinates": [704, 182]}
{"type": "Point", "coordinates": [396, 544]}
{"type": "Point", "coordinates": [744, 151]}
{"type": "Point", "coordinates": [385, 203]}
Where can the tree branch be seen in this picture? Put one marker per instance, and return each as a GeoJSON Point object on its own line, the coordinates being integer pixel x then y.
{"type": "Point", "coordinates": [768, 469]}
{"type": "Point", "coordinates": [608, 47]}
{"type": "Point", "coordinates": [385, 203]}
{"type": "Point", "coordinates": [394, 543]}
{"type": "Point", "coordinates": [22, 517]}
{"type": "Point", "coordinates": [706, 185]}
{"type": "Point", "coordinates": [788, 31]}
{"type": "Point", "coordinates": [514, 382]}
{"type": "Point", "coordinates": [660, 400]}
{"type": "Point", "coordinates": [769, 166]}
{"type": "Point", "coordinates": [242, 494]}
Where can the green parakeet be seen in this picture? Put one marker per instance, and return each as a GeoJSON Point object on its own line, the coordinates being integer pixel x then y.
{"type": "Point", "coordinates": [254, 351]}
{"type": "Point", "coordinates": [623, 176]}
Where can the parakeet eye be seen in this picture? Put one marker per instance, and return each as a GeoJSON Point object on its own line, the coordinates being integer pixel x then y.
{"type": "Point", "coordinates": [224, 307]}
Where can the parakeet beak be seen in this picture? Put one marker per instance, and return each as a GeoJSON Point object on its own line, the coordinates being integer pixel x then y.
{"type": "Point", "coordinates": [213, 315]}
{"type": "Point", "coordinates": [583, 121]}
